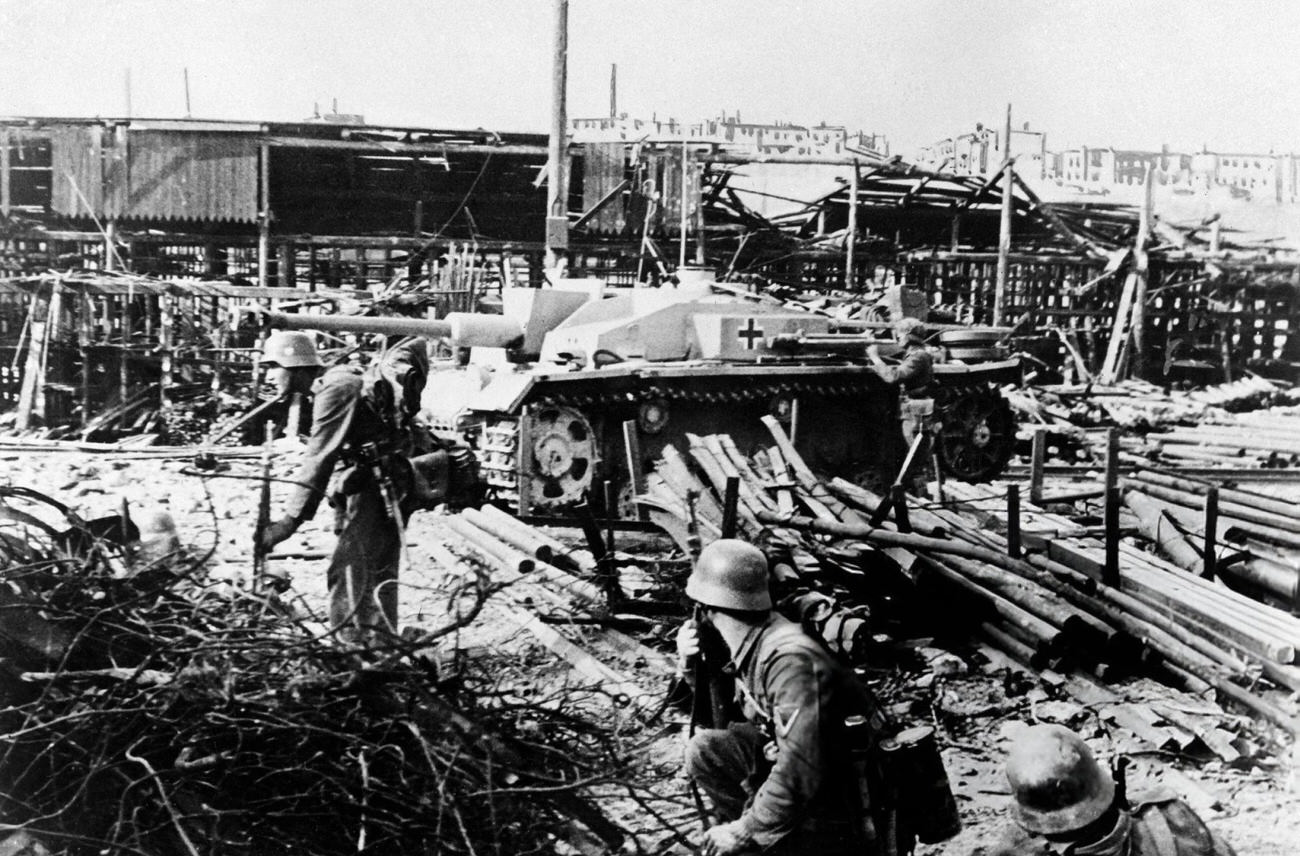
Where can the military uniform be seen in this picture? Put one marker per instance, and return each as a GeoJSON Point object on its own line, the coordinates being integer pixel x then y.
{"type": "Point", "coordinates": [805, 799]}
{"type": "Point", "coordinates": [1157, 825]}
{"type": "Point", "coordinates": [914, 371]}
{"type": "Point", "coordinates": [352, 408]}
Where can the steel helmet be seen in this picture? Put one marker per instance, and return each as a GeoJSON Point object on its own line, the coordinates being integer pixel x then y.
{"type": "Point", "coordinates": [1058, 785]}
{"type": "Point", "coordinates": [910, 328]}
{"type": "Point", "coordinates": [290, 350]}
{"type": "Point", "coordinates": [730, 574]}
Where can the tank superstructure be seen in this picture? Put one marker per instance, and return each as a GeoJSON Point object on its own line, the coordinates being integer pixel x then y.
{"type": "Point", "coordinates": [650, 367]}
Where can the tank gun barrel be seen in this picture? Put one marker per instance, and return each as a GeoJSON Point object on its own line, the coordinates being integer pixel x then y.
{"type": "Point", "coordinates": [464, 328]}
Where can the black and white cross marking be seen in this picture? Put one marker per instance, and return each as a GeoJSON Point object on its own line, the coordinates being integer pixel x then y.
{"type": "Point", "coordinates": [749, 334]}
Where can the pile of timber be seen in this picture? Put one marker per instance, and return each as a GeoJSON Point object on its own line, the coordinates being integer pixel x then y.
{"type": "Point", "coordinates": [1266, 439]}
{"type": "Point", "coordinates": [1038, 609]}
{"type": "Point", "coordinates": [1135, 404]}
{"type": "Point", "coordinates": [1254, 538]}
{"type": "Point", "coordinates": [541, 577]}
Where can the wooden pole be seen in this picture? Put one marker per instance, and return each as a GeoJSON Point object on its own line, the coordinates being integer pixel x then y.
{"type": "Point", "coordinates": [1013, 521]}
{"type": "Point", "coordinates": [110, 238]}
{"type": "Point", "coordinates": [730, 506]}
{"type": "Point", "coordinates": [264, 219]}
{"type": "Point", "coordinates": [851, 240]}
{"type": "Point", "coordinates": [1037, 458]}
{"type": "Point", "coordinates": [1210, 561]}
{"type": "Point", "coordinates": [167, 344]}
{"type": "Point", "coordinates": [557, 221]}
{"type": "Point", "coordinates": [1113, 500]}
{"type": "Point", "coordinates": [31, 390]}
{"type": "Point", "coordinates": [685, 209]}
{"type": "Point", "coordinates": [85, 334]}
{"type": "Point", "coordinates": [1004, 230]}
{"type": "Point", "coordinates": [635, 471]}
{"type": "Point", "coordinates": [1141, 268]}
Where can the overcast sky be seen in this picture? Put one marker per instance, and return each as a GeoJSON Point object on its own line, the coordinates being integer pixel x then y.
{"type": "Point", "coordinates": [1129, 73]}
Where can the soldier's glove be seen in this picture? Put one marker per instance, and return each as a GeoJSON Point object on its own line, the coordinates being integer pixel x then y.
{"type": "Point", "coordinates": [277, 532]}
{"type": "Point", "coordinates": [726, 839]}
{"type": "Point", "coordinates": [688, 644]}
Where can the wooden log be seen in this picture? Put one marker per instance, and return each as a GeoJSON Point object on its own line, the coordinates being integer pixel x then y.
{"type": "Point", "coordinates": [1182, 604]}
{"type": "Point", "coordinates": [717, 476]}
{"type": "Point", "coordinates": [803, 475]}
{"type": "Point", "coordinates": [1082, 630]}
{"type": "Point", "coordinates": [1242, 498]}
{"type": "Point", "coordinates": [1159, 529]}
{"type": "Point", "coordinates": [1195, 499]}
{"type": "Point", "coordinates": [678, 475]}
{"type": "Point", "coordinates": [1004, 608]}
{"type": "Point", "coordinates": [501, 554]}
{"type": "Point", "coordinates": [1223, 600]}
{"type": "Point", "coordinates": [1231, 439]}
{"type": "Point", "coordinates": [1186, 511]}
{"type": "Point", "coordinates": [513, 531]}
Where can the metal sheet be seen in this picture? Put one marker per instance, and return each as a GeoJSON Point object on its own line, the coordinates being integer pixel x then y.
{"type": "Point", "coordinates": [176, 175]}
{"type": "Point", "coordinates": [603, 171]}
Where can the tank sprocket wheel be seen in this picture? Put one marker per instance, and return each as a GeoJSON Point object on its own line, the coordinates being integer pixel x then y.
{"type": "Point", "coordinates": [976, 436]}
{"type": "Point", "coordinates": [563, 459]}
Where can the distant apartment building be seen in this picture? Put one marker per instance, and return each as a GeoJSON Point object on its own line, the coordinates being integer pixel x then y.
{"type": "Point", "coordinates": [774, 138]}
{"type": "Point", "coordinates": [981, 152]}
{"type": "Point", "coordinates": [1249, 176]}
{"type": "Point", "coordinates": [1104, 169]}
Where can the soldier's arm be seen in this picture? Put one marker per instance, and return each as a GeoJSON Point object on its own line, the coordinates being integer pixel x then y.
{"type": "Point", "coordinates": [798, 686]}
{"type": "Point", "coordinates": [332, 413]}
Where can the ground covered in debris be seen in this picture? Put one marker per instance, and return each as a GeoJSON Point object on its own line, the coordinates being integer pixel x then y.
{"type": "Point", "coordinates": [974, 696]}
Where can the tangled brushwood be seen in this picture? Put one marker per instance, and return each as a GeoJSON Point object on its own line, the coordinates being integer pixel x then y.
{"type": "Point", "coordinates": [148, 710]}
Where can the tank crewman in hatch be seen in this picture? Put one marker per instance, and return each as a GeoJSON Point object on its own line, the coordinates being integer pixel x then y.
{"type": "Point", "coordinates": [1066, 804]}
{"type": "Point", "coordinates": [782, 782]}
{"type": "Point", "coordinates": [361, 419]}
{"type": "Point", "coordinates": [915, 367]}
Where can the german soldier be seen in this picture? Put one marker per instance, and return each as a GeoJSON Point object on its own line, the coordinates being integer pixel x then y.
{"type": "Point", "coordinates": [1066, 804]}
{"type": "Point", "coordinates": [362, 420]}
{"type": "Point", "coordinates": [781, 782]}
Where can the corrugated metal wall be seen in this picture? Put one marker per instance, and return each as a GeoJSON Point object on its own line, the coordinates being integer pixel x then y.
{"type": "Point", "coordinates": [175, 175]}
{"type": "Point", "coordinates": [603, 170]}
{"type": "Point", "coordinates": [156, 175]}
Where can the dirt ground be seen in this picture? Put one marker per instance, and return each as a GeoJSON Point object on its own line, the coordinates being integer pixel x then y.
{"type": "Point", "coordinates": [977, 711]}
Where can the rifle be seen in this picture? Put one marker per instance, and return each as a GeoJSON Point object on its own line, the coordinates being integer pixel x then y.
{"type": "Point", "coordinates": [263, 509]}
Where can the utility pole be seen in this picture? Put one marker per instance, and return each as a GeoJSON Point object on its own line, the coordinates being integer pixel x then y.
{"type": "Point", "coordinates": [557, 217]}
{"type": "Point", "coordinates": [613, 90]}
{"type": "Point", "coordinates": [1004, 232]}
{"type": "Point", "coordinates": [1141, 267]}
{"type": "Point", "coordinates": [188, 114]}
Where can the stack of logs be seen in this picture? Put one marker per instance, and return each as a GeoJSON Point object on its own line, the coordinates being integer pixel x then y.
{"type": "Point", "coordinates": [1193, 633]}
{"type": "Point", "coordinates": [536, 570]}
{"type": "Point", "coordinates": [1261, 530]}
{"type": "Point", "coordinates": [1264, 439]}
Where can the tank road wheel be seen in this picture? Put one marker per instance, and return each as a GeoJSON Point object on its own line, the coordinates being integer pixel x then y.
{"type": "Point", "coordinates": [976, 435]}
{"type": "Point", "coordinates": [563, 457]}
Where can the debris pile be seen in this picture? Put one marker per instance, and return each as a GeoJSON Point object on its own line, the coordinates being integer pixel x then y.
{"type": "Point", "coordinates": [151, 708]}
{"type": "Point", "coordinates": [1038, 599]}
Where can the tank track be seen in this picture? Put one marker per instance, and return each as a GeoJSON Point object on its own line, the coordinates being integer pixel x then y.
{"type": "Point", "coordinates": [498, 444]}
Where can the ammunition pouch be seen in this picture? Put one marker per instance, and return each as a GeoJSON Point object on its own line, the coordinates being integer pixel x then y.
{"type": "Point", "coordinates": [465, 487]}
{"type": "Point", "coordinates": [429, 478]}
{"type": "Point", "coordinates": [448, 476]}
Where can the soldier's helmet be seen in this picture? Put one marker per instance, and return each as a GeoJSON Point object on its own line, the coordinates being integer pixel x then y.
{"type": "Point", "coordinates": [730, 574]}
{"type": "Point", "coordinates": [910, 330]}
{"type": "Point", "coordinates": [290, 350]}
{"type": "Point", "coordinates": [1058, 785]}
